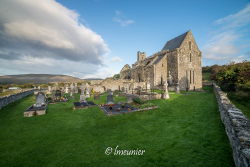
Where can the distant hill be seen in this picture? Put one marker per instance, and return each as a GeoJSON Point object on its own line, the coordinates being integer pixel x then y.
{"type": "Point", "coordinates": [93, 79]}
{"type": "Point", "coordinates": [37, 78]}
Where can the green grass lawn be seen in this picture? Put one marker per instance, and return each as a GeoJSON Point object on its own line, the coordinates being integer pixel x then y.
{"type": "Point", "coordinates": [184, 131]}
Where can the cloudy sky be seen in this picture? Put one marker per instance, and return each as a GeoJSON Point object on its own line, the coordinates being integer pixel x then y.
{"type": "Point", "coordinates": [95, 38]}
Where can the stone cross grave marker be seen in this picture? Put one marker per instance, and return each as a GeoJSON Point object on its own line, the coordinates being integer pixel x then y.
{"type": "Point", "coordinates": [166, 95]}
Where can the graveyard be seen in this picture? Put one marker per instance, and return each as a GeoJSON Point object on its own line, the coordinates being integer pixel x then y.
{"type": "Point", "coordinates": [185, 130]}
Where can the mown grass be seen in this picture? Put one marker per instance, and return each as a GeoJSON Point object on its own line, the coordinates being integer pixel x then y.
{"type": "Point", "coordinates": [184, 131]}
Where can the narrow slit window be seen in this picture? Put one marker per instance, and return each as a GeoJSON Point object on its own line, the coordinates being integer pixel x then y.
{"type": "Point", "coordinates": [193, 77]}
{"type": "Point", "coordinates": [190, 57]}
{"type": "Point", "coordinates": [190, 45]}
{"type": "Point", "coordinates": [190, 77]}
{"type": "Point", "coordinates": [187, 76]}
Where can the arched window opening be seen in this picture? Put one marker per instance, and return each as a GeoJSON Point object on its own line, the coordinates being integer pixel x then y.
{"type": "Point", "coordinates": [139, 77]}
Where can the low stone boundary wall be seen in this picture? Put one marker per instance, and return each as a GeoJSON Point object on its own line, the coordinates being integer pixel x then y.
{"type": "Point", "coordinates": [14, 97]}
{"type": "Point", "coordinates": [237, 127]}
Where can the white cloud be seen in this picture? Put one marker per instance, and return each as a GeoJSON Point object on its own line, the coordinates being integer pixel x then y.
{"type": "Point", "coordinates": [238, 19]}
{"type": "Point", "coordinates": [47, 29]}
{"type": "Point", "coordinates": [121, 19]}
{"type": "Point", "coordinates": [47, 66]}
{"type": "Point", "coordinates": [221, 46]}
{"type": "Point", "coordinates": [101, 73]}
{"type": "Point", "coordinates": [224, 43]}
{"type": "Point", "coordinates": [116, 59]}
{"type": "Point", "coordinates": [46, 37]}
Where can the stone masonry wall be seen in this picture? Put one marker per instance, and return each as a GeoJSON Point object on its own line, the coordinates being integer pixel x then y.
{"type": "Point", "coordinates": [237, 127]}
{"type": "Point", "coordinates": [189, 62]}
{"type": "Point", "coordinates": [12, 98]}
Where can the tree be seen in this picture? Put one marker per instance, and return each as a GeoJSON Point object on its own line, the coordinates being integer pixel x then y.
{"type": "Point", "coordinates": [116, 76]}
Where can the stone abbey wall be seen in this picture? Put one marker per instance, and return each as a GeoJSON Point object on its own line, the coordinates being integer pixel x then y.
{"type": "Point", "coordinates": [237, 127]}
{"type": "Point", "coordinates": [180, 60]}
{"type": "Point", "coordinates": [12, 98]}
{"type": "Point", "coordinates": [189, 62]}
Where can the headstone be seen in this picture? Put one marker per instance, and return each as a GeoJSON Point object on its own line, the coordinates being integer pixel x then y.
{"type": "Point", "coordinates": [40, 99]}
{"type": "Point", "coordinates": [148, 86]}
{"type": "Point", "coordinates": [82, 91]}
{"type": "Point", "coordinates": [177, 88]}
{"type": "Point", "coordinates": [82, 98]}
{"type": "Point", "coordinates": [76, 89]}
{"type": "Point", "coordinates": [129, 99]}
{"type": "Point", "coordinates": [110, 99]}
{"type": "Point", "coordinates": [87, 93]}
{"type": "Point", "coordinates": [166, 95]}
{"type": "Point", "coordinates": [49, 88]}
{"type": "Point", "coordinates": [39, 87]}
{"type": "Point", "coordinates": [67, 89]}
{"type": "Point", "coordinates": [82, 87]}
{"type": "Point", "coordinates": [131, 86]}
{"type": "Point", "coordinates": [71, 88]}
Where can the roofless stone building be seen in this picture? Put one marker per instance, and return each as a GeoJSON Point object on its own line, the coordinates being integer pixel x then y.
{"type": "Point", "coordinates": [179, 62]}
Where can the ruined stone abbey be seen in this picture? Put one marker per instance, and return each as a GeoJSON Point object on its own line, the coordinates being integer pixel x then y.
{"type": "Point", "coordinates": [178, 63]}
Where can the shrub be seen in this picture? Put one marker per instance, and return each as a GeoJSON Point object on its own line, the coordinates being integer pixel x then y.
{"type": "Point", "coordinates": [233, 77]}
{"type": "Point", "coordinates": [137, 100]}
{"type": "Point", "coordinates": [116, 76]}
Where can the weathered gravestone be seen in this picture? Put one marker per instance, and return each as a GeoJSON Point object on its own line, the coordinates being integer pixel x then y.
{"type": "Point", "coordinates": [87, 93]}
{"type": "Point", "coordinates": [40, 99]}
{"type": "Point", "coordinates": [110, 99]}
{"type": "Point", "coordinates": [82, 98]}
{"type": "Point", "coordinates": [166, 95]}
{"type": "Point", "coordinates": [129, 98]}
{"type": "Point", "coordinates": [67, 89]}
{"type": "Point", "coordinates": [49, 89]}
{"type": "Point", "coordinates": [148, 87]}
{"type": "Point", "coordinates": [177, 88]}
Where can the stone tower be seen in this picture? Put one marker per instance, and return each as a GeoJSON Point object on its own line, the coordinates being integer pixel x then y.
{"type": "Point", "coordinates": [141, 56]}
